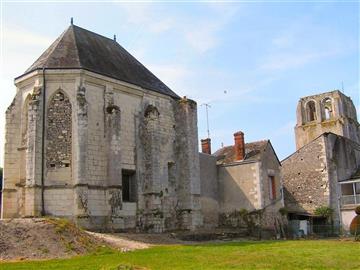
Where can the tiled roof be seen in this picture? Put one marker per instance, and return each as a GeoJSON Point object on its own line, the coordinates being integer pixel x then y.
{"type": "Point", "coordinates": [253, 151]}
{"type": "Point", "coordinates": [78, 48]}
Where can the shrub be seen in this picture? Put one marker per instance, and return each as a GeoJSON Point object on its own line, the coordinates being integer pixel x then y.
{"type": "Point", "coordinates": [324, 211]}
{"type": "Point", "coordinates": [243, 212]}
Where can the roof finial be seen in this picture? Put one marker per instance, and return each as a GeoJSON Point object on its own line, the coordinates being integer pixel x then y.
{"type": "Point", "coordinates": [72, 20]}
{"type": "Point", "coordinates": [114, 37]}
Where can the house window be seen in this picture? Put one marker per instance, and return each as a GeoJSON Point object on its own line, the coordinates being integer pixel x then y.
{"type": "Point", "coordinates": [357, 188]}
{"type": "Point", "coordinates": [347, 189]}
{"type": "Point", "coordinates": [272, 188]}
{"type": "Point", "coordinates": [128, 186]}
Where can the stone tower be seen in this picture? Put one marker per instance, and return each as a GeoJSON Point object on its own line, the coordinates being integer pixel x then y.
{"type": "Point", "coordinates": [327, 112]}
{"type": "Point", "coordinates": [92, 135]}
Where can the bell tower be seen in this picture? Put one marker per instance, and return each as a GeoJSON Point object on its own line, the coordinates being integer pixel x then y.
{"type": "Point", "coordinates": [327, 112]}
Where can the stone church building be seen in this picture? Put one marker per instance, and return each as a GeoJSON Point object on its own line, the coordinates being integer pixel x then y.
{"type": "Point", "coordinates": [94, 136]}
{"type": "Point", "coordinates": [119, 148]}
{"type": "Point", "coordinates": [325, 169]}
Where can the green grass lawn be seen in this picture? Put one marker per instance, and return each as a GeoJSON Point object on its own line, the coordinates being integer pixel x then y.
{"type": "Point", "coordinates": [302, 254]}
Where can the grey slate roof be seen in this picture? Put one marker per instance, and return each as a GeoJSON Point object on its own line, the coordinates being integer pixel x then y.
{"type": "Point", "coordinates": [78, 48]}
{"type": "Point", "coordinates": [253, 152]}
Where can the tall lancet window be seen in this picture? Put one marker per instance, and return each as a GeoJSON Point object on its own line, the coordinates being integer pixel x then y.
{"type": "Point", "coordinates": [24, 138]}
{"type": "Point", "coordinates": [310, 111]}
{"type": "Point", "coordinates": [59, 132]}
{"type": "Point", "coordinates": [327, 109]}
{"type": "Point", "coordinates": [25, 121]}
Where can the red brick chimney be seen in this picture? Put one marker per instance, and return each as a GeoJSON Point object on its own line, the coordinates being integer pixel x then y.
{"type": "Point", "coordinates": [206, 146]}
{"type": "Point", "coordinates": [239, 146]}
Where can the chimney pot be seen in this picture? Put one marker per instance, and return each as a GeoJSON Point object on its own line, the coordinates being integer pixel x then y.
{"type": "Point", "coordinates": [239, 146]}
{"type": "Point", "coordinates": [206, 146]}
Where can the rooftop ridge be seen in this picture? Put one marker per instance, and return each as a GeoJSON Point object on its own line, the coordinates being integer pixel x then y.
{"type": "Point", "coordinates": [79, 48]}
{"type": "Point", "coordinates": [92, 32]}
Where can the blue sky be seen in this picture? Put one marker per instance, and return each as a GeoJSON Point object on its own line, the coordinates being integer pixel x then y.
{"type": "Point", "coordinates": [250, 61]}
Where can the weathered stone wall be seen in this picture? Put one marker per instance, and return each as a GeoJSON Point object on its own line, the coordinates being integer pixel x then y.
{"type": "Point", "coordinates": [343, 160]}
{"type": "Point", "coordinates": [312, 174]}
{"type": "Point", "coordinates": [343, 155]}
{"type": "Point", "coordinates": [21, 168]}
{"type": "Point", "coordinates": [12, 201]}
{"type": "Point", "coordinates": [209, 190]}
{"type": "Point", "coordinates": [59, 163]}
{"type": "Point", "coordinates": [167, 165]}
{"type": "Point", "coordinates": [187, 159]}
{"type": "Point", "coordinates": [305, 176]}
{"type": "Point", "coordinates": [111, 131]}
{"type": "Point", "coordinates": [123, 109]}
{"type": "Point", "coordinates": [152, 216]}
{"type": "Point", "coordinates": [270, 166]}
{"type": "Point", "coordinates": [59, 139]}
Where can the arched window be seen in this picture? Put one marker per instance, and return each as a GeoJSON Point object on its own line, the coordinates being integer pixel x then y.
{"type": "Point", "coordinates": [327, 109]}
{"type": "Point", "coordinates": [59, 132]}
{"type": "Point", "coordinates": [24, 137]}
{"type": "Point", "coordinates": [151, 112]}
{"type": "Point", "coordinates": [310, 111]}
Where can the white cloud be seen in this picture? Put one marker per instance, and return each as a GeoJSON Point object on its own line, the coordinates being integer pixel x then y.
{"type": "Point", "coordinates": [202, 37]}
{"type": "Point", "coordinates": [283, 41]}
{"type": "Point", "coordinates": [288, 60]}
{"type": "Point", "coordinates": [17, 36]}
{"type": "Point", "coordinates": [171, 75]}
{"type": "Point", "coordinates": [286, 129]}
{"type": "Point", "coordinates": [200, 34]}
{"type": "Point", "coordinates": [162, 25]}
{"type": "Point", "coordinates": [19, 50]}
{"type": "Point", "coordinates": [144, 15]}
{"type": "Point", "coordinates": [301, 42]}
{"type": "Point", "coordinates": [204, 34]}
{"type": "Point", "coordinates": [242, 93]}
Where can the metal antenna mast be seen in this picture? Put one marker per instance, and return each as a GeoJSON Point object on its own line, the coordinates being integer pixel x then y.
{"type": "Point", "coordinates": [207, 106]}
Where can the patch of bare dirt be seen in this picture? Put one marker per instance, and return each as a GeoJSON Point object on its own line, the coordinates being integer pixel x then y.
{"type": "Point", "coordinates": [132, 241]}
{"type": "Point", "coordinates": [22, 239]}
{"type": "Point", "coordinates": [45, 238]}
{"type": "Point", "coordinates": [119, 241]}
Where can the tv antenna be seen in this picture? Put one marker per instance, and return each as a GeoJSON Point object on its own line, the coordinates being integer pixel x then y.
{"type": "Point", "coordinates": [207, 106]}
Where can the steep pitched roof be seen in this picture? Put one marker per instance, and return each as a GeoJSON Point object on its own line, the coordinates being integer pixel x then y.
{"type": "Point", "coordinates": [253, 152]}
{"type": "Point", "coordinates": [78, 48]}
